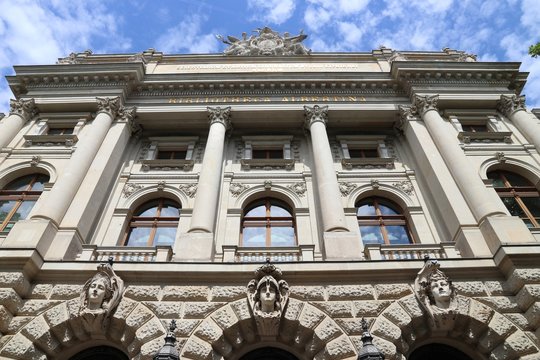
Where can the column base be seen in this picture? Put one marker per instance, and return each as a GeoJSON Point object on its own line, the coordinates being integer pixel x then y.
{"type": "Point", "coordinates": [342, 246]}
{"type": "Point", "coordinates": [505, 230]}
{"type": "Point", "coordinates": [470, 242]}
{"type": "Point", "coordinates": [66, 245]}
{"type": "Point", "coordinates": [194, 247]}
{"type": "Point", "coordinates": [32, 234]}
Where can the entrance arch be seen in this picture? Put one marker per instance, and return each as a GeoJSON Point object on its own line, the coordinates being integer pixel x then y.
{"type": "Point", "coordinates": [99, 353]}
{"type": "Point", "coordinates": [439, 352]}
{"type": "Point", "coordinates": [269, 353]}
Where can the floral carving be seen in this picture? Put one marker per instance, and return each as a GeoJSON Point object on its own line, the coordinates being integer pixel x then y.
{"type": "Point", "coordinates": [161, 185]}
{"type": "Point", "coordinates": [509, 104]}
{"type": "Point", "coordinates": [108, 105]}
{"type": "Point", "coordinates": [237, 188]}
{"type": "Point", "coordinates": [437, 295]}
{"type": "Point", "coordinates": [189, 189]}
{"type": "Point", "coordinates": [268, 295]}
{"type": "Point", "coordinates": [24, 108]}
{"type": "Point", "coordinates": [299, 188]}
{"type": "Point", "coordinates": [405, 186]}
{"type": "Point", "coordinates": [315, 114]}
{"type": "Point", "coordinates": [35, 160]}
{"type": "Point", "coordinates": [130, 188]}
{"type": "Point", "coordinates": [346, 187]}
{"type": "Point", "coordinates": [425, 103]}
{"type": "Point", "coordinates": [220, 115]}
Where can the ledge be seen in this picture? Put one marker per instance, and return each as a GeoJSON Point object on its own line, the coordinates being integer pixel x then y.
{"type": "Point", "coordinates": [50, 140]}
{"type": "Point", "coordinates": [368, 163]}
{"type": "Point", "coordinates": [174, 164]}
{"type": "Point", "coordinates": [267, 164]}
{"type": "Point", "coordinates": [468, 137]}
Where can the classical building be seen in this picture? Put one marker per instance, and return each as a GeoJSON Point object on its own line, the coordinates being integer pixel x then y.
{"type": "Point", "coordinates": [270, 203]}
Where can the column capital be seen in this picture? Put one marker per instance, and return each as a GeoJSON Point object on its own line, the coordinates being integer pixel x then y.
{"type": "Point", "coordinates": [425, 103]}
{"type": "Point", "coordinates": [128, 114]}
{"type": "Point", "coordinates": [108, 105]}
{"type": "Point", "coordinates": [509, 104]}
{"type": "Point", "coordinates": [220, 115]}
{"type": "Point", "coordinates": [406, 114]}
{"type": "Point", "coordinates": [315, 114]}
{"type": "Point", "coordinates": [26, 109]}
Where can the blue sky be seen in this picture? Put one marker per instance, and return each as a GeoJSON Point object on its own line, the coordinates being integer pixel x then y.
{"type": "Point", "coordinates": [39, 32]}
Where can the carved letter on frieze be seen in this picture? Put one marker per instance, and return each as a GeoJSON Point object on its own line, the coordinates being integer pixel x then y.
{"type": "Point", "coordinates": [220, 115]}
{"type": "Point", "coordinates": [108, 105]}
{"type": "Point", "coordinates": [437, 295]}
{"type": "Point", "coordinates": [100, 296]}
{"type": "Point", "coordinates": [509, 104]}
{"type": "Point", "coordinates": [425, 103]}
{"type": "Point", "coordinates": [268, 295]}
{"type": "Point", "coordinates": [314, 114]}
{"type": "Point", "coordinates": [24, 108]}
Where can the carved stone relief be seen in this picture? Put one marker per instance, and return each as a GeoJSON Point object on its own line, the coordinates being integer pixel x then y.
{"type": "Point", "coordinates": [35, 160]}
{"type": "Point", "coordinates": [100, 296]}
{"type": "Point", "coordinates": [130, 188]}
{"type": "Point", "coordinates": [108, 105]}
{"type": "Point", "coordinates": [268, 295]}
{"type": "Point", "coordinates": [189, 189]}
{"type": "Point", "coordinates": [299, 188]}
{"type": "Point", "coordinates": [237, 188]}
{"type": "Point", "coordinates": [508, 104]}
{"type": "Point", "coordinates": [24, 108]}
{"type": "Point", "coordinates": [405, 186]}
{"type": "Point", "coordinates": [346, 187]}
{"type": "Point", "coordinates": [437, 295]}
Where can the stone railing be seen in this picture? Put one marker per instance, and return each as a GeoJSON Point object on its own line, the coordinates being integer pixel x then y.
{"type": "Point", "coordinates": [412, 251]}
{"type": "Point", "coordinates": [275, 254]}
{"type": "Point", "coordinates": [123, 253]}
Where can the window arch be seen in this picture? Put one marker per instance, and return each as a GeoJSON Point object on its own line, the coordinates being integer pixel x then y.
{"type": "Point", "coordinates": [518, 194]}
{"type": "Point", "coordinates": [154, 223]}
{"type": "Point", "coordinates": [19, 197]}
{"type": "Point", "coordinates": [268, 222]}
{"type": "Point", "coordinates": [382, 222]}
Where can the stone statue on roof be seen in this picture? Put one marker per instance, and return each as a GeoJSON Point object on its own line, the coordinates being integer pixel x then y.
{"type": "Point", "coordinates": [267, 42]}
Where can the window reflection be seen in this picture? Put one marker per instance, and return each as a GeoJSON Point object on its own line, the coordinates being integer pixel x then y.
{"type": "Point", "coordinates": [154, 223]}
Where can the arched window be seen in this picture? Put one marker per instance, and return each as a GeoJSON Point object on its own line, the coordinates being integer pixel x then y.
{"type": "Point", "coordinates": [17, 199]}
{"type": "Point", "coordinates": [382, 222]}
{"type": "Point", "coordinates": [268, 223]}
{"type": "Point", "coordinates": [519, 195]}
{"type": "Point", "coordinates": [154, 223]}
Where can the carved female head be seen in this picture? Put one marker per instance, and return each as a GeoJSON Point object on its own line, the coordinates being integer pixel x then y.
{"type": "Point", "coordinates": [439, 289]}
{"type": "Point", "coordinates": [97, 292]}
{"type": "Point", "coordinates": [267, 295]}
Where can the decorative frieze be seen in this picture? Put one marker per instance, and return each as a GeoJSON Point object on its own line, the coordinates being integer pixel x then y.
{"type": "Point", "coordinates": [130, 188]}
{"type": "Point", "coordinates": [346, 187]}
{"type": "Point", "coordinates": [298, 188]}
{"type": "Point", "coordinates": [189, 189]}
{"type": "Point", "coordinates": [405, 186]}
{"type": "Point", "coordinates": [237, 188]}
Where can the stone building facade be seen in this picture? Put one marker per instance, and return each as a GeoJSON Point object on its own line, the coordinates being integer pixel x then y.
{"type": "Point", "coordinates": [399, 188]}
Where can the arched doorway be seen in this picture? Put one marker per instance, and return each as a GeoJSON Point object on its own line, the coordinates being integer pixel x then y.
{"type": "Point", "coordinates": [269, 353]}
{"type": "Point", "coordinates": [100, 353]}
{"type": "Point", "coordinates": [439, 352]}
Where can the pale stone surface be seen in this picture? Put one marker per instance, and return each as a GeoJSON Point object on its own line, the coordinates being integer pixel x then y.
{"type": "Point", "coordinates": [10, 299]}
{"type": "Point", "coordinates": [392, 291]}
{"type": "Point", "coordinates": [40, 291]}
{"type": "Point", "coordinates": [227, 293]}
{"type": "Point", "coordinates": [499, 329]}
{"type": "Point", "coordinates": [497, 288]}
{"type": "Point", "coordinates": [514, 346]}
{"type": "Point", "coordinates": [528, 295]}
{"type": "Point", "coordinates": [311, 317]}
{"type": "Point", "coordinates": [521, 277]}
{"type": "Point", "coordinates": [504, 304]}
{"type": "Point", "coordinates": [138, 317]}
{"type": "Point", "coordinates": [370, 308]}
{"type": "Point", "coordinates": [184, 327]}
{"type": "Point", "coordinates": [36, 307]}
{"type": "Point", "coordinates": [19, 347]}
{"type": "Point", "coordinates": [225, 317]}
{"type": "Point", "coordinates": [411, 305]}
{"type": "Point", "coordinates": [199, 310]}
{"type": "Point", "coordinates": [209, 331]}
{"type": "Point", "coordinates": [197, 349]}
{"type": "Point", "coordinates": [470, 288]}
{"type": "Point", "coordinates": [241, 309]}
{"type": "Point", "coordinates": [38, 331]}
{"type": "Point", "coordinates": [57, 315]}
{"type": "Point", "coordinates": [65, 292]}
{"type": "Point", "coordinates": [186, 293]}
{"type": "Point", "coordinates": [149, 349]}
{"type": "Point", "coordinates": [519, 319]}
{"type": "Point", "coordinates": [350, 292]}
{"type": "Point", "coordinates": [480, 312]}
{"type": "Point", "coordinates": [386, 347]}
{"type": "Point", "coordinates": [397, 315]}
{"type": "Point", "coordinates": [353, 326]}
{"type": "Point", "coordinates": [336, 309]}
{"type": "Point", "coordinates": [340, 348]}
{"type": "Point", "coordinates": [385, 329]}
{"type": "Point", "coordinates": [136, 292]}
{"type": "Point", "coordinates": [17, 323]}
{"type": "Point", "coordinates": [165, 309]}
{"type": "Point", "coordinates": [150, 330]}
{"type": "Point", "coordinates": [533, 315]}
{"type": "Point", "coordinates": [308, 293]}
{"type": "Point", "coordinates": [327, 330]}
{"type": "Point", "coordinates": [5, 319]}
{"type": "Point", "coordinates": [293, 310]}
{"type": "Point", "coordinates": [14, 280]}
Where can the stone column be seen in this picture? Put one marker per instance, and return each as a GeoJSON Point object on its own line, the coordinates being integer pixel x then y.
{"type": "Point", "coordinates": [206, 200]}
{"type": "Point", "coordinates": [481, 202]}
{"type": "Point", "coordinates": [20, 112]}
{"type": "Point", "coordinates": [65, 188]}
{"type": "Point", "coordinates": [513, 107]}
{"type": "Point", "coordinates": [333, 215]}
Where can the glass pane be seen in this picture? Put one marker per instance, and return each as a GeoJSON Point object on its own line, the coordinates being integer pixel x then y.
{"type": "Point", "coordinates": [5, 208]}
{"type": "Point", "coordinates": [387, 210]}
{"type": "Point", "coordinates": [513, 207]}
{"type": "Point", "coordinates": [397, 235]}
{"type": "Point", "coordinates": [533, 204]}
{"type": "Point", "coordinates": [20, 184]}
{"type": "Point", "coordinates": [170, 211]}
{"type": "Point", "coordinates": [165, 236]}
{"type": "Point", "coordinates": [497, 179]}
{"type": "Point", "coordinates": [254, 237]}
{"type": "Point", "coordinates": [276, 211]}
{"type": "Point", "coordinates": [23, 210]}
{"type": "Point", "coordinates": [282, 236]}
{"type": "Point", "coordinates": [40, 181]}
{"type": "Point", "coordinates": [139, 236]}
{"type": "Point", "coordinates": [164, 155]}
{"type": "Point", "coordinates": [371, 235]}
{"type": "Point", "coordinates": [275, 154]}
{"type": "Point", "coordinates": [516, 180]}
{"type": "Point", "coordinates": [149, 209]}
{"type": "Point", "coordinates": [366, 210]}
{"type": "Point", "coordinates": [258, 211]}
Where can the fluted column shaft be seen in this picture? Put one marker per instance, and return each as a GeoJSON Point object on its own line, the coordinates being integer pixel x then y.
{"type": "Point", "coordinates": [65, 188]}
{"type": "Point", "coordinates": [333, 215]}
{"type": "Point", "coordinates": [206, 201]}
{"type": "Point", "coordinates": [20, 112]}
{"type": "Point", "coordinates": [481, 202]}
{"type": "Point", "coordinates": [513, 107]}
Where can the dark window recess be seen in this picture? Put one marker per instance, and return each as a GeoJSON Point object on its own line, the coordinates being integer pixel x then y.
{"type": "Point", "coordinates": [267, 154]}
{"type": "Point", "coordinates": [60, 131]}
{"type": "Point", "coordinates": [363, 153]}
{"type": "Point", "coordinates": [475, 127]}
{"type": "Point", "coordinates": [172, 155]}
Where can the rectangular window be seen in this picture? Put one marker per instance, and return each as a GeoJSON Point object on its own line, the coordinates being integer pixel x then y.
{"type": "Point", "coordinates": [267, 154]}
{"type": "Point", "coordinates": [475, 127]}
{"type": "Point", "coordinates": [60, 131]}
{"type": "Point", "coordinates": [171, 154]}
{"type": "Point", "coordinates": [363, 153]}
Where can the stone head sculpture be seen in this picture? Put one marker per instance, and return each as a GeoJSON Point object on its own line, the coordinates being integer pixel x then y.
{"type": "Point", "coordinates": [102, 292]}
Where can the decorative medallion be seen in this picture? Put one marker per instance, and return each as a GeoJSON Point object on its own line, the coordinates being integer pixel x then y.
{"type": "Point", "coordinates": [189, 189]}
{"type": "Point", "coordinates": [346, 187]}
{"type": "Point", "coordinates": [130, 188]}
{"type": "Point", "coordinates": [405, 186]}
{"type": "Point", "coordinates": [237, 188]}
{"type": "Point", "coordinates": [299, 188]}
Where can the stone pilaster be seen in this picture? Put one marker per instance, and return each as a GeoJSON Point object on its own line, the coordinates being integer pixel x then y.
{"type": "Point", "coordinates": [20, 112]}
{"type": "Point", "coordinates": [513, 107]}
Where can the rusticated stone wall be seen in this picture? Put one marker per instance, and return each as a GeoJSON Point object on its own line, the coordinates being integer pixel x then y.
{"type": "Point", "coordinates": [498, 319]}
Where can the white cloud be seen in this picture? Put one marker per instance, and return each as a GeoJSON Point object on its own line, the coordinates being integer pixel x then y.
{"type": "Point", "coordinates": [432, 6]}
{"type": "Point", "coordinates": [187, 36]}
{"type": "Point", "coordinates": [315, 18]}
{"type": "Point", "coordinates": [350, 32]}
{"type": "Point", "coordinates": [272, 11]}
{"type": "Point", "coordinates": [352, 6]}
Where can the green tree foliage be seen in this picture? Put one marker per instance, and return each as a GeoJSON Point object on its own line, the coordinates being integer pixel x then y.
{"type": "Point", "coordinates": [534, 50]}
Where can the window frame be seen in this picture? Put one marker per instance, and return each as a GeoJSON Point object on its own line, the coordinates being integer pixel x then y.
{"type": "Point", "coordinates": [267, 143]}
{"type": "Point", "coordinates": [151, 160]}
{"type": "Point", "coordinates": [381, 220]}
{"type": "Point", "coordinates": [365, 142]}
{"type": "Point", "coordinates": [488, 118]}
{"type": "Point", "coordinates": [40, 133]}
{"type": "Point", "coordinates": [267, 221]}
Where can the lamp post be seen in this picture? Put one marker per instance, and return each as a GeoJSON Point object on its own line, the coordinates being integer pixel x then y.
{"type": "Point", "coordinates": [168, 350]}
{"type": "Point", "coordinates": [368, 351]}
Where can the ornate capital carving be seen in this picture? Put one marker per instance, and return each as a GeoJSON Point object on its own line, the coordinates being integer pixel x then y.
{"type": "Point", "coordinates": [108, 105]}
{"type": "Point", "coordinates": [314, 114]}
{"type": "Point", "coordinates": [434, 290]}
{"type": "Point", "coordinates": [509, 104]}
{"type": "Point", "coordinates": [425, 103]}
{"type": "Point", "coordinates": [406, 114]}
{"type": "Point", "coordinates": [128, 114]}
{"type": "Point", "coordinates": [24, 108]}
{"type": "Point", "coordinates": [220, 115]}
